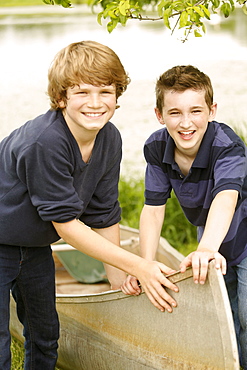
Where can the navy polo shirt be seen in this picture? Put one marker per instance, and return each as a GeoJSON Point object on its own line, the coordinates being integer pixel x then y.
{"type": "Point", "coordinates": [219, 165]}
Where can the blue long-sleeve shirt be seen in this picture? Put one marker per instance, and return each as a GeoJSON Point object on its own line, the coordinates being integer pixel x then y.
{"type": "Point", "coordinates": [43, 179]}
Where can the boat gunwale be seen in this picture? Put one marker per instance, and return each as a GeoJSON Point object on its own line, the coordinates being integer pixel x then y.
{"type": "Point", "coordinates": [111, 295]}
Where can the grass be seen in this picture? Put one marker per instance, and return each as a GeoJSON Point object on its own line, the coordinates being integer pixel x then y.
{"type": "Point", "coordinates": [17, 350]}
{"type": "Point", "coordinates": [17, 355]}
{"type": "Point", "coordinates": [176, 229]}
{"type": "Point", "coordinates": [5, 3]}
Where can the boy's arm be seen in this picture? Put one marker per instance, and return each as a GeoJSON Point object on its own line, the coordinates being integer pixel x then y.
{"type": "Point", "coordinates": [149, 273]}
{"type": "Point", "coordinates": [218, 222]}
{"type": "Point", "coordinates": [151, 222]}
{"type": "Point", "coordinates": [114, 275]}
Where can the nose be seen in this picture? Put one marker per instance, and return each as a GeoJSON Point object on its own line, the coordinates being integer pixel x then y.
{"type": "Point", "coordinates": [94, 101]}
{"type": "Point", "coordinates": [185, 121]}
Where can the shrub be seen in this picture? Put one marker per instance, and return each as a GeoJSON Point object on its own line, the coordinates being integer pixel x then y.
{"type": "Point", "coordinates": [176, 229]}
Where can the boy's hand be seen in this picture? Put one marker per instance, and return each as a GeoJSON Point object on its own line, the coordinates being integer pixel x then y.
{"type": "Point", "coordinates": [153, 282]}
{"type": "Point", "coordinates": [131, 286]}
{"type": "Point", "coordinates": [199, 261]}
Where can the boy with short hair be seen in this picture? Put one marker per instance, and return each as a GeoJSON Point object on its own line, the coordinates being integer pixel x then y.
{"type": "Point", "coordinates": [58, 175]}
{"type": "Point", "coordinates": [204, 162]}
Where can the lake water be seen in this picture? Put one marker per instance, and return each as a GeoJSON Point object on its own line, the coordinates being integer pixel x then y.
{"type": "Point", "coordinates": [28, 44]}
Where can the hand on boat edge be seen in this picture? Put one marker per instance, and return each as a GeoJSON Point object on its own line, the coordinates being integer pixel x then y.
{"type": "Point", "coordinates": [199, 261]}
{"type": "Point", "coordinates": [131, 286]}
{"type": "Point", "coordinates": [154, 283]}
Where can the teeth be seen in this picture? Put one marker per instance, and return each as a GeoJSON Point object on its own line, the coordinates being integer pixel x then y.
{"type": "Point", "coordinates": [186, 132]}
{"type": "Point", "coordinates": [93, 114]}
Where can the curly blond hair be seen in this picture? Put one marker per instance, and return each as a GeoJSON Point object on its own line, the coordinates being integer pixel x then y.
{"type": "Point", "coordinates": [87, 62]}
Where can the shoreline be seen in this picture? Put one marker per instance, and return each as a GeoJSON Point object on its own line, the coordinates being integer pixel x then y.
{"type": "Point", "coordinates": [45, 9]}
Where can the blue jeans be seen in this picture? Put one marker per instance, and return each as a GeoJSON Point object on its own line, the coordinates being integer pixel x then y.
{"type": "Point", "coordinates": [236, 284]}
{"type": "Point", "coordinates": [29, 273]}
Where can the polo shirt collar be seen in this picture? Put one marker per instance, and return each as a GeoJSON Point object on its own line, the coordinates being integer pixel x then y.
{"type": "Point", "coordinates": [202, 158]}
{"type": "Point", "coordinates": [169, 150]}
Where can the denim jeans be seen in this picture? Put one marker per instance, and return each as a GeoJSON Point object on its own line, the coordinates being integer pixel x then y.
{"type": "Point", "coordinates": [29, 273]}
{"type": "Point", "coordinates": [236, 284]}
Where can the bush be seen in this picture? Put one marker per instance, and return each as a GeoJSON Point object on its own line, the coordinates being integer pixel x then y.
{"type": "Point", "coordinates": [176, 229]}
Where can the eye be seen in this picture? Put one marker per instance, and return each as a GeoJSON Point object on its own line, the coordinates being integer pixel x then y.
{"type": "Point", "coordinates": [79, 92]}
{"type": "Point", "coordinates": [106, 92]}
{"type": "Point", "coordinates": [174, 113]}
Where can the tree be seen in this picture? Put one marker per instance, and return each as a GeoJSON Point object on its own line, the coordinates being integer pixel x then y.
{"type": "Point", "coordinates": [186, 14]}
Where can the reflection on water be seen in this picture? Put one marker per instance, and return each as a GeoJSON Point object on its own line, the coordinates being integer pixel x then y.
{"type": "Point", "coordinates": [28, 44]}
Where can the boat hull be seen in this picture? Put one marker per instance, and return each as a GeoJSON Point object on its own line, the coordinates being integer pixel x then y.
{"type": "Point", "coordinates": [110, 330]}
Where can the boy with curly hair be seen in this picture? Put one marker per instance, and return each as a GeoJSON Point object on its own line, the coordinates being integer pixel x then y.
{"type": "Point", "coordinates": [59, 179]}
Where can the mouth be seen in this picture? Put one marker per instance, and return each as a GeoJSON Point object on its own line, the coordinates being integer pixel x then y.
{"type": "Point", "coordinates": [93, 115]}
{"type": "Point", "coordinates": [186, 135]}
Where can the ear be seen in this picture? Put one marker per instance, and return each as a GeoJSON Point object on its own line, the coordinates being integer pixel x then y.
{"type": "Point", "coordinates": [159, 116]}
{"type": "Point", "coordinates": [213, 111]}
{"type": "Point", "coordinates": [62, 104]}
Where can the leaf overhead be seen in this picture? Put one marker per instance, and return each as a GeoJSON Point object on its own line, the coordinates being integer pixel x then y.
{"type": "Point", "coordinates": [189, 15]}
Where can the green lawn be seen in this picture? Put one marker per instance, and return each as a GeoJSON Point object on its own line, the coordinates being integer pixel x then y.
{"type": "Point", "coordinates": [18, 355]}
{"type": "Point", "coordinates": [21, 2]}
{"type": "Point", "coordinates": [5, 3]}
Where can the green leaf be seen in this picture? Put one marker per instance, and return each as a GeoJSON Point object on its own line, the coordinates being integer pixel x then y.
{"type": "Point", "coordinates": [232, 5]}
{"type": "Point", "coordinates": [179, 6]}
{"type": "Point", "coordinates": [206, 11]}
{"type": "Point", "coordinates": [244, 8]}
{"type": "Point", "coordinates": [166, 15]}
{"type": "Point", "coordinates": [199, 11]}
{"type": "Point", "coordinates": [99, 18]}
{"type": "Point", "coordinates": [216, 3]}
{"type": "Point", "coordinates": [124, 7]}
{"type": "Point", "coordinates": [225, 9]}
{"type": "Point", "coordinates": [123, 20]}
{"type": "Point", "coordinates": [183, 19]}
{"type": "Point", "coordinates": [111, 25]}
{"type": "Point", "coordinates": [66, 4]}
{"type": "Point", "coordinates": [112, 14]}
{"type": "Point", "coordinates": [197, 33]}
{"type": "Point", "coordinates": [160, 6]}
{"type": "Point", "coordinates": [194, 17]}
{"type": "Point", "coordinates": [164, 4]}
{"type": "Point", "coordinates": [49, 2]}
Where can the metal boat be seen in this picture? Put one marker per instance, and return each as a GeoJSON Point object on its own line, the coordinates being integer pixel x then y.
{"type": "Point", "coordinates": [107, 330]}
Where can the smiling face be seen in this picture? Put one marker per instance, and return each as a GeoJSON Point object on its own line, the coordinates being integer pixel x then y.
{"type": "Point", "coordinates": [88, 108]}
{"type": "Point", "coordinates": [186, 116]}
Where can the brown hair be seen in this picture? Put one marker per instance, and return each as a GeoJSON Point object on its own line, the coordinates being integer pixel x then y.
{"type": "Point", "coordinates": [181, 78]}
{"type": "Point", "coordinates": [85, 62]}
